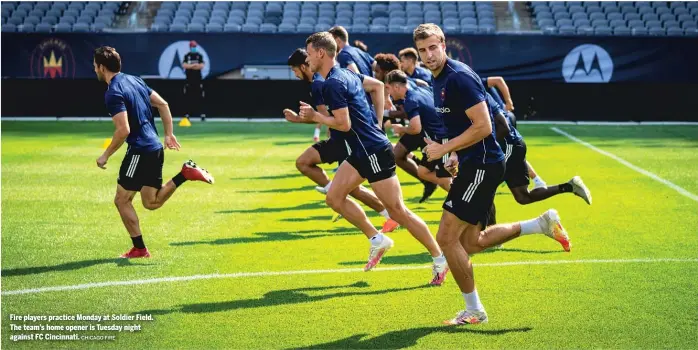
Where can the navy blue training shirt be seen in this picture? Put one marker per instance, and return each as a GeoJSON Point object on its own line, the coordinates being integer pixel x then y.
{"type": "Point", "coordinates": [423, 74]}
{"type": "Point", "coordinates": [513, 137]}
{"type": "Point", "coordinates": [318, 100]}
{"type": "Point", "coordinates": [456, 89]}
{"type": "Point", "coordinates": [131, 94]}
{"type": "Point", "coordinates": [419, 102]}
{"type": "Point", "coordinates": [363, 60]}
{"type": "Point", "coordinates": [344, 88]}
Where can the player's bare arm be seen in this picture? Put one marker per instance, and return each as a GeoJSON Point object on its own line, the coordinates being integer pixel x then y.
{"type": "Point", "coordinates": [164, 109]}
{"type": "Point", "coordinates": [501, 85]}
{"type": "Point", "coordinates": [120, 134]}
{"type": "Point", "coordinates": [376, 89]}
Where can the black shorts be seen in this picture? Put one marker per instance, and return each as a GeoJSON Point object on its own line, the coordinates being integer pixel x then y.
{"type": "Point", "coordinates": [332, 150]}
{"type": "Point", "coordinates": [140, 169]}
{"type": "Point", "coordinates": [412, 142]}
{"type": "Point", "coordinates": [438, 166]}
{"type": "Point", "coordinates": [517, 169]}
{"type": "Point", "coordinates": [377, 166]}
{"type": "Point", "coordinates": [472, 191]}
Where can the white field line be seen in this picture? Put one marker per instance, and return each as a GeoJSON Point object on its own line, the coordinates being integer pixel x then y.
{"type": "Point", "coordinates": [313, 272]}
{"type": "Point", "coordinates": [668, 183]}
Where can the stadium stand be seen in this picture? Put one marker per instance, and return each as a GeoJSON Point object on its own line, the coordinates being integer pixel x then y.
{"type": "Point", "coordinates": [616, 18]}
{"type": "Point", "coordinates": [59, 16]}
{"type": "Point", "coordinates": [564, 18]}
{"type": "Point", "coordinates": [294, 17]}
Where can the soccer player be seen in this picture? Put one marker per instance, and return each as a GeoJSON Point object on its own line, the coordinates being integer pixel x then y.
{"type": "Point", "coordinates": [330, 150]}
{"type": "Point", "coordinates": [424, 123]}
{"type": "Point", "coordinates": [407, 143]}
{"type": "Point", "coordinates": [460, 100]}
{"type": "Point", "coordinates": [370, 153]}
{"type": "Point", "coordinates": [350, 57]}
{"type": "Point", "coordinates": [408, 64]}
{"type": "Point", "coordinates": [516, 174]}
{"type": "Point", "coordinates": [494, 85]}
{"type": "Point", "coordinates": [129, 101]}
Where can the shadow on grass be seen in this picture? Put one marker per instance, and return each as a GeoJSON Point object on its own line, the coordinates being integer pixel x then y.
{"type": "Point", "coordinates": [420, 259]}
{"type": "Point", "coordinates": [270, 177]}
{"type": "Point", "coordinates": [280, 297]}
{"type": "Point", "coordinates": [406, 337]}
{"type": "Point", "coordinates": [304, 206]}
{"type": "Point", "coordinates": [69, 266]}
{"type": "Point", "coordinates": [261, 237]}
{"type": "Point", "coordinates": [280, 190]}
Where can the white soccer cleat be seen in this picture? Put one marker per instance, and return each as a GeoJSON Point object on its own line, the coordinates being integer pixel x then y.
{"type": "Point", "coordinates": [321, 190]}
{"type": "Point", "coordinates": [580, 189]}
{"type": "Point", "coordinates": [468, 317]}
{"type": "Point", "coordinates": [375, 254]}
{"type": "Point", "coordinates": [552, 227]}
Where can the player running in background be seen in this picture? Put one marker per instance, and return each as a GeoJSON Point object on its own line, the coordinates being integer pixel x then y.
{"type": "Point", "coordinates": [129, 101]}
{"type": "Point", "coordinates": [516, 174]}
{"type": "Point", "coordinates": [424, 123]}
{"type": "Point", "coordinates": [331, 150]}
{"type": "Point", "coordinates": [386, 63]}
{"type": "Point", "coordinates": [494, 85]}
{"type": "Point", "coordinates": [460, 100]}
{"type": "Point", "coordinates": [370, 152]}
{"type": "Point", "coordinates": [408, 64]}
{"type": "Point", "coordinates": [350, 57]}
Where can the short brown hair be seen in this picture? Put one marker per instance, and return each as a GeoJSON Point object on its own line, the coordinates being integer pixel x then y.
{"type": "Point", "coordinates": [323, 40]}
{"type": "Point", "coordinates": [387, 62]}
{"type": "Point", "coordinates": [409, 52]}
{"type": "Point", "coordinates": [109, 58]}
{"type": "Point", "coordinates": [423, 31]}
{"type": "Point", "coordinates": [396, 76]}
{"type": "Point", "coordinates": [339, 32]}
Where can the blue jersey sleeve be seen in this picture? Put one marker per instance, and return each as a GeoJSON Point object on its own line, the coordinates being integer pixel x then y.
{"type": "Point", "coordinates": [344, 59]}
{"type": "Point", "coordinates": [484, 81]}
{"type": "Point", "coordinates": [115, 102]}
{"type": "Point", "coordinates": [147, 88]}
{"type": "Point", "coordinates": [316, 89]}
{"type": "Point", "coordinates": [411, 108]}
{"type": "Point", "coordinates": [468, 88]}
{"type": "Point", "coordinates": [496, 107]}
{"type": "Point", "coordinates": [334, 93]}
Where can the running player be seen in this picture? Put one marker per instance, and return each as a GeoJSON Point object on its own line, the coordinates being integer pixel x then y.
{"type": "Point", "coordinates": [129, 101]}
{"type": "Point", "coordinates": [408, 64]}
{"type": "Point", "coordinates": [516, 174]}
{"type": "Point", "coordinates": [370, 152]}
{"type": "Point", "coordinates": [494, 85]}
{"type": "Point", "coordinates": [350, 57]}
{"type": "Point", "coordinates": [330, 150]}
{"type": "Point", "coordinates": [407, 143]}
{"type": "Point", "coordinates": [460, 100]}
{"type": "Point", "coordinates": [424, 123]}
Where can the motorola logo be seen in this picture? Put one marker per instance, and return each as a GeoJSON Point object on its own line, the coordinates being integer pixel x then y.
{"type": "Point", "coordinates": [587, 63]}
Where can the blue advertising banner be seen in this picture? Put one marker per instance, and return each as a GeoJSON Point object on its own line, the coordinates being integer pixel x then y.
{"type": "Point", "coordinates": [578, 59]}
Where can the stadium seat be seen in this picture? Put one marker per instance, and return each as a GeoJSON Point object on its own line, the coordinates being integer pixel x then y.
{"type": "Point", "coordinates": [585, 30]}
{"type": "Point", "coordinates": [579, 15]}
{"type": "Point", "coordinates": [305, 28]}
{"type": "Point", "coordinates": [674, 31]}
{"type": "Point", "coordinates": [196, 28]}
{"type": "Point", "coordinates": [632, 16]}
{"type": "Point", "coordinates": [9, 28]}
{"type": "Point", "coordinates": [599, 23]}
{"type": "Point", "coordinates": [636, 23]}
{"type": "Point", "coordinates": [657, 31]}
{"type": "Point", "coordinates": [286, 28]}
{"type": "Point", "coordinates": [267, 28]}
{"type": "Point", "coordinates": [214, 27]}
{"type": "Point", "coordinates": [603, 31]}
{"type": "Point", "coordinates": [597, 16]}
{"type": "Point", "coordinates": [617, 23]}
{"type": "Point", "coordinates": [469, 29]}
{"type": "Point", "coordinates": [566, 30]}
{"type": "Point", "coordinates": [486, 28]}
{"type": "Point", "coordinates": [582, 23]}
{"type": "Point", "coordinates": [178, 27]}
{"type": "Point", "coordinates": [564, 23]}
{"type": "Point", "coordinates": [360, 28]}
{"type": "Point", "coordinates": [63, 27]}
{"type": "Point", "coordinates": [622, 31]}
{"type": "Point", "coordinates": [232, 27]}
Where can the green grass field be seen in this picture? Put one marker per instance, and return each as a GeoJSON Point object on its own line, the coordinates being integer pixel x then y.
{"type": "Point", "coordinates": [60, 228]}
